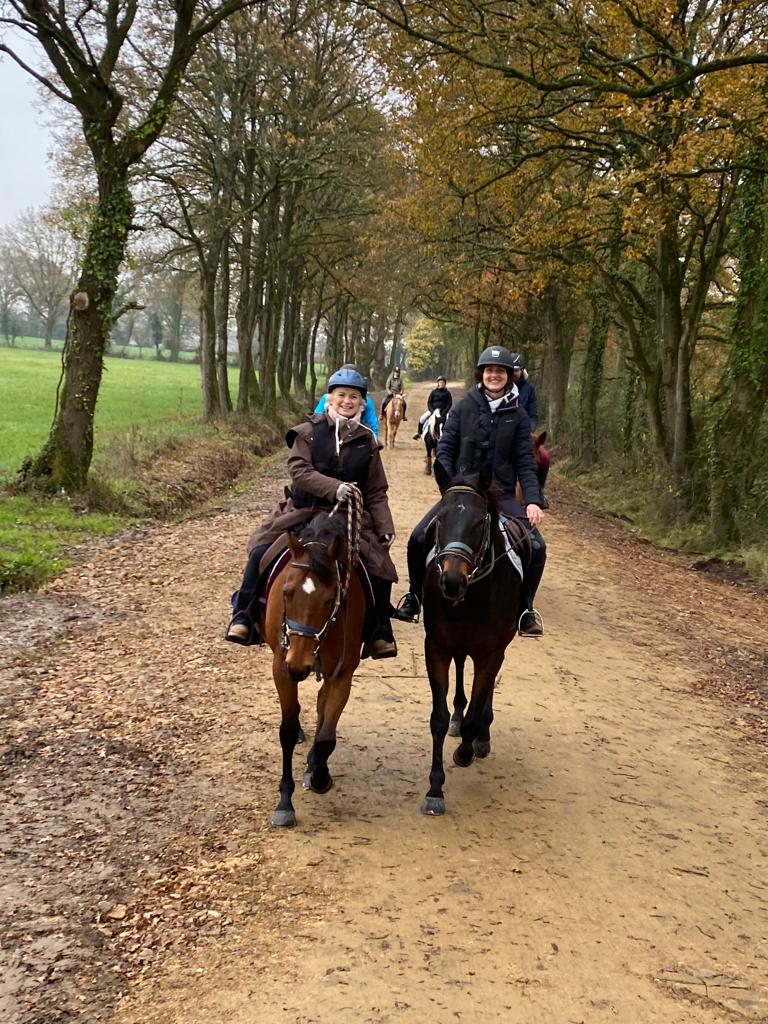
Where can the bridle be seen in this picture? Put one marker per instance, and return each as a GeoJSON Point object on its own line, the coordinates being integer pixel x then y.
{"type": "Point", "coordinates": [461, 550]}
{"type": "Point", "coordinates": [293, 628]}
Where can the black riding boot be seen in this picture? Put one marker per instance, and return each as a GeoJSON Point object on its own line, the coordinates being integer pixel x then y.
{"type": "Point", "coordinates": [383, 641]}
{"type": "Point", "coordinates": [530, 623]}
{"type": "Point", "coordinates": [243, 628]}
{"type": "Point", "coordinates": [409, 607]}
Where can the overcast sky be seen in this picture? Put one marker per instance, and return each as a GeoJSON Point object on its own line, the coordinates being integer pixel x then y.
{"type": "Point", "coordinates": [25, 172]}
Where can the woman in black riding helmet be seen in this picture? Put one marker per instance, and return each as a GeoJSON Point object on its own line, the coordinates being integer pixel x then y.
{"type": "Point", "coordinates": [489, 427]}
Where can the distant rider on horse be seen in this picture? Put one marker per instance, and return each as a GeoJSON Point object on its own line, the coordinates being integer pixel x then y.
{"type": "Point", "coordinates": [440, 398]}
{"type": "Point", "coordinates": [329, 452]}
{"type": "Point", "coordinates": [489, 427]}
{"type": "Point", "coordinates": [394, 386]}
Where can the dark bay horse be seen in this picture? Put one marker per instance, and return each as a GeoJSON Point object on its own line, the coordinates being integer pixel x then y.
{"type": "Point", "coordinates": [432, 434]}
{"type": "Point", "coordinates": [314, 620]}
{"type": "Point", "coordinates": [470, 607]}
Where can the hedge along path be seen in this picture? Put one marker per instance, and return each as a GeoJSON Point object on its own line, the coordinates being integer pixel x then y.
{"type": "Point", "coordinates": [607, 862]}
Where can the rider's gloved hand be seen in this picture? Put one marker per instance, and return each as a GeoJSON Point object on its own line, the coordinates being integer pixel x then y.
{"type": "Point", "coordinates": [344, 492]}
{"type": "Point", "coordinates": [387, 539]}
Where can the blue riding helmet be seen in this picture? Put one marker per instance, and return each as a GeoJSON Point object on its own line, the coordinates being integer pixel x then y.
{"type": "Point", "coordinates": [348, 378]}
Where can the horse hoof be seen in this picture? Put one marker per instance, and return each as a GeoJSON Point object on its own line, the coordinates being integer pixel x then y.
{"type": "Point", "coordinates": [302, 737]}
{"type": "Point", "coordinates": [457, 760]}
{"type": "Point", "coordinates": [482, 748]}
{"type": "Point", "coordinates": [307, 783]}
{"type": "Point", "coordinates": [454, 727]}
{"type": "Point", "coordinates": [284, 819]}
{"type": "Point", "coordinates": [433, 805]}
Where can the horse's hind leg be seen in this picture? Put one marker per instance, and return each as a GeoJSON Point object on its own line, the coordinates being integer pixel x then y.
{"type": "Point", "coordinates": [331, 701]}
{"type": "Point", "coordinates": [459, 699]}
{"type": "Point", "coordinates": [284, 815]}
{"type": "Point", "coordinates": [438, 665]}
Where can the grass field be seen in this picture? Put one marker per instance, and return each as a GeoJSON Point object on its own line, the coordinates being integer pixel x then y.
{"type": "Point", "coordinates": [142, 405]}
{"type": "Point", "coordinates": [134, 394]}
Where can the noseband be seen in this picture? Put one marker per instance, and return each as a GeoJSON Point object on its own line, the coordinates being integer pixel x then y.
{"type": "Point", "coordinates": [459, 549]}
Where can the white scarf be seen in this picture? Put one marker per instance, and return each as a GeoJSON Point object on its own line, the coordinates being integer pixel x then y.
{"type": "Point", "coordinates": [342, 422]}
{"type": "Point", "coordinates": [496, 402]}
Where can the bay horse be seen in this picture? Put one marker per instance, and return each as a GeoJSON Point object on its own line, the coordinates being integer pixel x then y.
{"type": "Point", "coordinates": [393, 417]}
{"type": "Point", "coordinates": [542, 459]}
{"type": "Point", "coordinates": [431, 436]}
{"type": "Point", "coordinates": [314, 619]}
{"type": "Point", "coordinates": [471, 607]}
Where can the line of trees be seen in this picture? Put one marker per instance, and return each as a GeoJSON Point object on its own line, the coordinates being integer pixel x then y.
{"type": "Point", "coordinates": [584, 183]}
{"type": "Point", "coordinates": [594, 180]}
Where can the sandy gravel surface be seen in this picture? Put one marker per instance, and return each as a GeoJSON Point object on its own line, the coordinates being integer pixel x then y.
{"type": "Point", "coordinates": [606, 863]}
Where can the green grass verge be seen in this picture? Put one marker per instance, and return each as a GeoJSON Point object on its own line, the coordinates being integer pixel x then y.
{"type": "Point", "coordinates": [36, 538]}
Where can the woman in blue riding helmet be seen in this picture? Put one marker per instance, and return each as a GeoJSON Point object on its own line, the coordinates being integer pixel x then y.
{"type": "Point", "coordinates": [369, 418]}
{"type": "Point", "coordinates": [330, 451]}
{"type": "Point", "coordinates": [489, 427]}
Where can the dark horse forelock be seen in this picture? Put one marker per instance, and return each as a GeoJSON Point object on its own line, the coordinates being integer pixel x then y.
{"type": "Point", "coordinates": [319, 534]}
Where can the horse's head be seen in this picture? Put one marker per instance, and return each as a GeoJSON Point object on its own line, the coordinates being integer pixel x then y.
{"type": "Point", "coordinates": [312, 592]}
{"type": "Point", "coordinates": [463, 529]}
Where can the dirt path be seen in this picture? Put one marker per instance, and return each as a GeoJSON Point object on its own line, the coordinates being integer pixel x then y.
{"type": "Point", "coordinates": [609, 861]}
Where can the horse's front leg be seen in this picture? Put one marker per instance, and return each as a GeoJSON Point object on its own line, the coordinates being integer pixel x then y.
{"type": "Point", "coordinates": [331, 701]}
{"type": "Point", "coordinates": [482, 742]}
{"type": "Point", "coordinates": [438, 665]}
{"type": "Point", "coordinates": [288, 692]}
{"type": "Point", "coordinates": [459, 699]}
{"type": "Point", "coordinates": [476, 724]}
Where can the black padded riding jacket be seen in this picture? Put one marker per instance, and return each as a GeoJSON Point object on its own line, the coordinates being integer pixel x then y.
{"type": "Point", "coordinates": [474, 436]}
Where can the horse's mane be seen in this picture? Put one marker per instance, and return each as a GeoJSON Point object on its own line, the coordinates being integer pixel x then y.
{"type": "Point", "coordinates": [324, 529]}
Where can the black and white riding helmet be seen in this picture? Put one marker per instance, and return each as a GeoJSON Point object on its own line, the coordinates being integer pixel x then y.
{"type": "Point", "coordinates": [497, 355]}
{"type": "Point", "coordinates": [440, 378]}
{"type": "Point", "coordinates": [519, 362]}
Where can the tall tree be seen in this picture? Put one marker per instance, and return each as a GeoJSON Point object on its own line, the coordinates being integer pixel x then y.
{"type": "Point", "coordinates": [119, 65]}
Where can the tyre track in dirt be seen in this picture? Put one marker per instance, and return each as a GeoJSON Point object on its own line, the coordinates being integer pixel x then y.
{"type": "Point", "coordinates": [607, 862]}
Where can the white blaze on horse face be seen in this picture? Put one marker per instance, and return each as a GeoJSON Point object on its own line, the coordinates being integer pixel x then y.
{"type": "Point", "coordinates": [308, 586]}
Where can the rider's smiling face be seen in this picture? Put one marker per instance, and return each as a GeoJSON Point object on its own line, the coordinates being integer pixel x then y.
{"type": "Point", "coordinates": [495, 380]}
{"type": "Point", "coordinates": [346, 402]}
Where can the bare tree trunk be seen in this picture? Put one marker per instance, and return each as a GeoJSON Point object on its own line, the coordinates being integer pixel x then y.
{"type": "Point", "coordinates": [591, 382]}
{"type": "Point", "coordinates": [559, 330]}
{"type": "Point", "coordinates": [222, 333]}
{"type": "Point", "coordinates": [211, 407]}
{"type": "Point", "coordinates": [66, 456]}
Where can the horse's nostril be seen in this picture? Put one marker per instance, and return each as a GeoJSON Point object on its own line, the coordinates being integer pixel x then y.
{"type": "Point", "coordinates": [453, 588]}
{"type": "Point", "coordinates": [298, 674]}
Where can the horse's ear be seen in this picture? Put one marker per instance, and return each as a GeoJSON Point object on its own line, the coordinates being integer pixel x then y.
{"type": "Point", "coordinates": [484, 478]}
{"type": "Point", "coordinates": [295, 545]}
{"type": "Point", "coordinates": [441, 476]}
{"type": "Point", "coordinates": [336, 548]}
